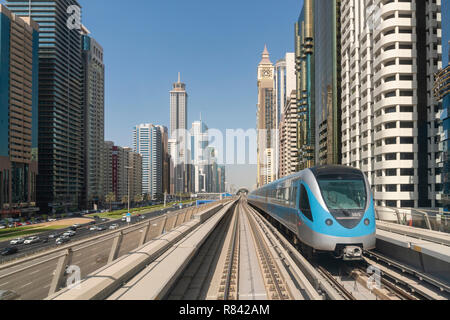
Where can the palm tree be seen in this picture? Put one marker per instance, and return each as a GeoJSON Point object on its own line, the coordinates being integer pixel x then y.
{"type": "Point", "coordinates": [138, 198]}
{"type": "Point", "coordinates": [125, 199]}
{"type": "Point", "coordinates": [110, 197]}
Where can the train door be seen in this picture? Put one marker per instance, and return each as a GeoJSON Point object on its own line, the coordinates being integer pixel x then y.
{"type": "Point", "coordinates": [294, 201]}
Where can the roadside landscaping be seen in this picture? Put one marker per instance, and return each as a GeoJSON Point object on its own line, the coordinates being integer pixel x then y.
{"type": "Point", "coordinates": [12, 233]}
{"type": "Point", "coordinates": [120, 213]}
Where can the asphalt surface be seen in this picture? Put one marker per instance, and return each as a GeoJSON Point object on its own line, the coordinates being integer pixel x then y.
{"type": "Point", "coordinates": [34, 283]}
{"type": "Point", "coordinates": [81, 233]}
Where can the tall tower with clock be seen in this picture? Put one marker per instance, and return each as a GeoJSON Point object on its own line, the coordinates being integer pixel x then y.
{"type": "Point", "coordinates": [266, 121]}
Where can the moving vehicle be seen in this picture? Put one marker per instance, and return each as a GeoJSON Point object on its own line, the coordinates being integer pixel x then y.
{"type": "Point", "coordinates": [69, 233]}
{"type": "Point", "coordinates": [9, 251]}
{"type": "Point", "coordinates": [325, 208]}
{"type": "Point", "coordinates": [17, 241]}
{"type": "Point", "coordinates": [114, 226]}
{"type": "Point", "coordinates": [94, 228]}
{"type": "Point", "coordinates": [53, 236]}
{"type": "Point", "coordinates": [62, 240]}
{"type": "Point", "coordinates": [8, 295]}
{"type": "Point", "coordinates": [31, 240]}
{"type": "Point", "coordinates": [51, 220]}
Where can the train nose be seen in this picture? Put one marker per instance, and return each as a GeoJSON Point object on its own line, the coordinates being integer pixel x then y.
{"type": "Point", "coordinates": [352, 253]}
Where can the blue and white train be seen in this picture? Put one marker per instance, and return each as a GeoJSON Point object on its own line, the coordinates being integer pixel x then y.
{"type": "Point", "coordinates": [327, 208]}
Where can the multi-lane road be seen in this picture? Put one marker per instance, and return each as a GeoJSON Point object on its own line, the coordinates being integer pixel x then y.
{"type": "Point", "coordinates": [82, 233]}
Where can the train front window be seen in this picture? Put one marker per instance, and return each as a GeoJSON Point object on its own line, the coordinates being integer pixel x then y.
{"type": "Point", "coordinates": [343, 193]}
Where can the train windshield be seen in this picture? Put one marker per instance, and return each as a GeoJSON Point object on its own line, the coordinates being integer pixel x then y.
{"type": "Point", "coordinates": [343, 192]}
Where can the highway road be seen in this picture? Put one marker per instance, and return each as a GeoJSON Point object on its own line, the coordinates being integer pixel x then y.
{"type": "Point", "coordinates": [82, 233]}
{"type": "Point", "coordinates": [33, 283]}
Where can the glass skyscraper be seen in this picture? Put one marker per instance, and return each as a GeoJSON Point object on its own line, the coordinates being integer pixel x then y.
{"type": "Point", "coordinates": [60, 176]}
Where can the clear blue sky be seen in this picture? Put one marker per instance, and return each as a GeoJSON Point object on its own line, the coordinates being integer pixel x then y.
{"type": "Point", "coordinates": [216, 45]}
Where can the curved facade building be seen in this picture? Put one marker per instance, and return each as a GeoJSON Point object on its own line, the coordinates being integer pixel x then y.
{"type": "Point", "coordinates": [390, 119]}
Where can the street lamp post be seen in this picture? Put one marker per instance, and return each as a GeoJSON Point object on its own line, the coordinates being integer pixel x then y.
{"type": "Point", "coordinates": [128, 187]}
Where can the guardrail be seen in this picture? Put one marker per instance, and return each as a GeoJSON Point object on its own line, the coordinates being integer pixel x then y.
{"type": "Point", "coordinates": [42, 275]}
{"type": "Point", "coordinates": [420, 218]}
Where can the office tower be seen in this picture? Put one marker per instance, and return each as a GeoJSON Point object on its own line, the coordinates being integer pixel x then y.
{"type": "Point", "coordinates": [266, 119]}
{"type": "Point", "coordinates": [165, 160]}
{"type": "Point", "coordinates": [284, 83]}
{"type": "Point", "coordinates": [288, 153]}
{"type": "Point", "coordinates": [19, 67]}
{"type": "Point", "coordinates": [199, 144]}
{"type": "Point", "coordinates": [148, 143]}
{"type": "Point", "coordinates": [390, 119]}
{"type": "Point", "coordinates": [178, 107]}
{"type": "Point", "coordinates": [123, 172]}
{"type": "Point", "coordinates": [442, 93]}
{"type": "Point", "coordinates": [172, 150]}
{"type": "Point", "coordinates": [60, 178]}
{"type": "Point", "coordinates": [304, 59]}
{"type": "Point", "coordinates": [94, 118]}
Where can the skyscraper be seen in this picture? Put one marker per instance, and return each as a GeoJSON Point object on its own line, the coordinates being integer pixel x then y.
{"type": "Point", "coordinates": [178, 127]}
{"type": "Point", "coordinates": [304, 57]}
{"type": "Point", "coordinates": [19, 65]}
{"type": "Point", "coordinates": [266, 118]}
{"type": "Point", "coordinates": [148, 143]}
{"type": "Point", "coordinates": [390, 119]}
{"type": "Point", "coordinates": [94, 118]}
{"type": "Point", "coordinates": [200, 159]}
{"type": "Point", "coordinates": [60, 178]}
{"type": "Point", "coordinates": [178, 107]}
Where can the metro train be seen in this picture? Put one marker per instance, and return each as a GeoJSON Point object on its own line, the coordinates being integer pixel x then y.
{"type": "Point", "coordinates": [326, 208]}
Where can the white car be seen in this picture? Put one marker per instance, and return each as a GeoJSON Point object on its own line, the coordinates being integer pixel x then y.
{"type": "Point", "coordinates": [31, 240]}
{"type": "Point", "coordinates": [17, 241]}
{"type": "Point", "coordinates": [114, 226]}
{"type": "Point", "coordinates": [124, 218]}
{"type": "Point", "coordinates": [2, 227]}
{"type": "Point", "coordinates": [51, 220]}
{"type": "Point", "coordinates": [94, 228]}
{"type": "Point", "coordinates": [69, 233]}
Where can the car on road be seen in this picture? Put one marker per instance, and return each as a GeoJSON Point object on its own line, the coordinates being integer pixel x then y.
{"type": "Point", "coordinates": [100, 228]}
{"type": "Point", "coordinates": [45, 240]}
{"type": "Point", "coordinates": [31, 240]}
{"type": "Point", "coordinates": [17, 241]}
{"type": "Point", "coordinates": [76, 226]}
{"type": "Point", "coordinates": [9, 251]}
{"type": "Point", "coordinates": [53, 236]}
{"type": "Point", "coordinates": [51, 220]}
{"type": "Point", "coordinates": [69, 233]}
{"type": "Point", "coordinates": [124, 218]}
{"type": "Point", "coordinates": [8, 295]}
{"type": "Point", "coordinates": [62, 240]}
{"type": "Point", "coordinates": [94, 228]}
{"type": "Point", "coordinates": [2, 227]}
{"type": "Point", "coordinates": [114, 226]}
{"type": "Point", "coordinates": [104, 220]}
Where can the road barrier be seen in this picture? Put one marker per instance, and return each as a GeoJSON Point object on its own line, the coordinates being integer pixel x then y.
{"type": "Point", "coordinates": [41, 275]}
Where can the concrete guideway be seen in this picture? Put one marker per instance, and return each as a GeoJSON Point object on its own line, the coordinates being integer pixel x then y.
{"type": "Point", "coordinates": [421, 234]}
{"type": "Point", "coordinates": [154, 282]}
{"type": "Point", "coordinates": [104, 282]}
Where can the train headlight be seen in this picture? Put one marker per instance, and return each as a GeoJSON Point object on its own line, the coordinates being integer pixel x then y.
{"type": "Point", "coordinates": [367, 222]}
{"type": "Point", "coordinates": [329, 222]}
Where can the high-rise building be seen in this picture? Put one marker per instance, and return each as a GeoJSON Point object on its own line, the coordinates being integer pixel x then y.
{"type": "Point", "coordinates": [178, 107]}
{"type": "Point", "coordinates": [200, 159]}
{"type": "Point", "coordinates": [390, 52]}
{"type": "Point", "coordinates": [266, 118]}
{"type": "Point", "coordinates": [19, 67]}
{"type": "Point", "coordinates": [288, 152]}
{"type": "Point", "coordinates": [442, 93]}
{"type": "Point", "coordinates": [284, 83]}
{"type": "Point", "coordinates": [60, 179]}
{"type": "Point", "coordinates": [148, 143]}
{"type": "Point", "coordinates": [172, 150]}
{"type": "Point", "coordinates": [94, 118]}
{"type": "Point", "coordinates": [123, 172]}
{"type": "Point", "coordinates": [304, 60]}
{"type": "Point", "coordinates": [178, 127]}
{"type": "Point", "coordinates": [165, 160]}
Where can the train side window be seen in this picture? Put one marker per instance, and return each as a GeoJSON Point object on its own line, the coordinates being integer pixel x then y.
{"type": "Point", "coordinates": [305, 207]}
{"type": "Point", "coordinates": [293, 199]}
